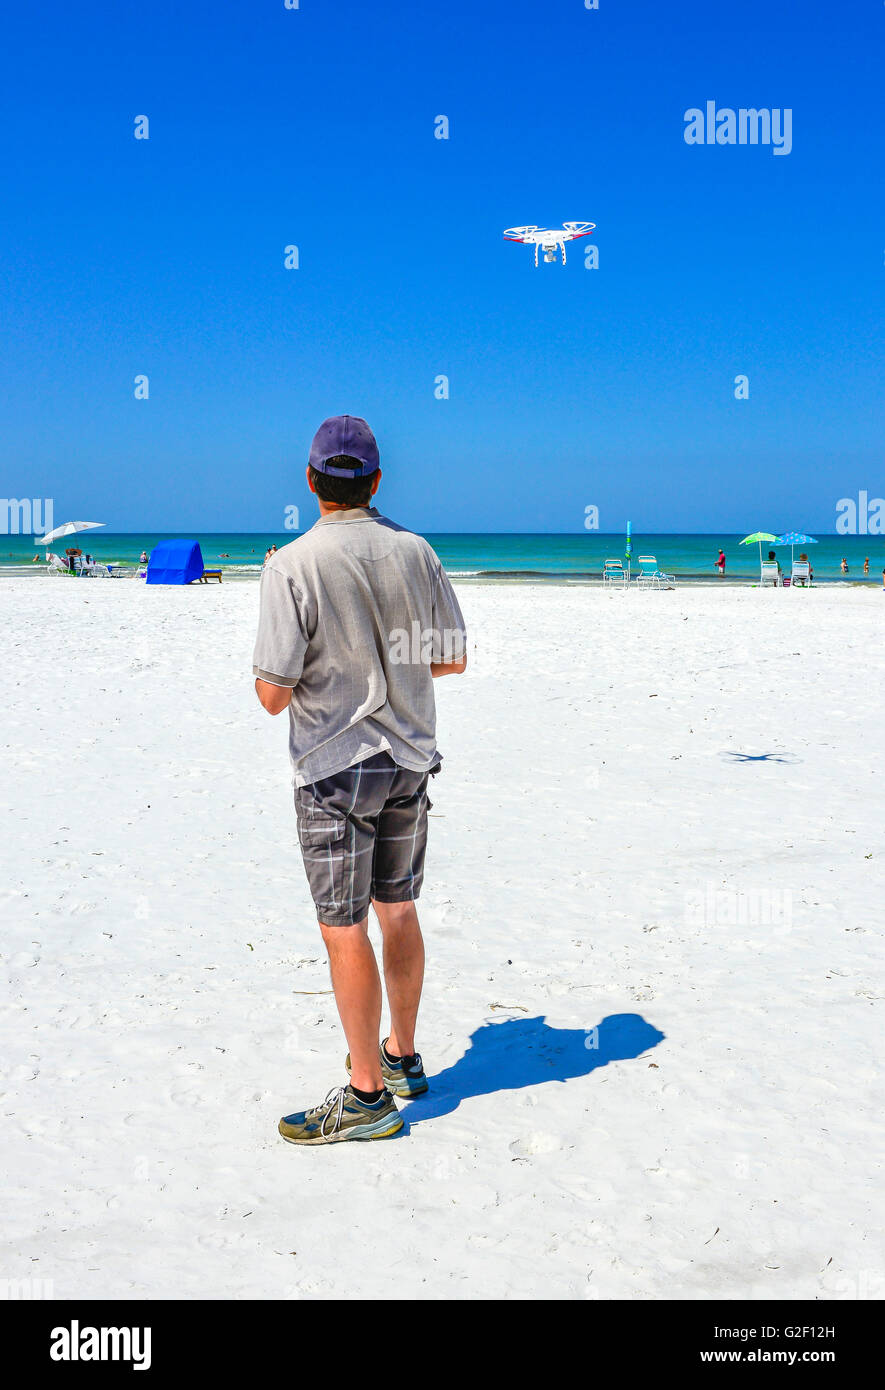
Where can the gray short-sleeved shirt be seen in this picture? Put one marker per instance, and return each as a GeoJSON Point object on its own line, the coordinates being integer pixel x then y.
{"type": "Point", "coordinates": [352, 614]}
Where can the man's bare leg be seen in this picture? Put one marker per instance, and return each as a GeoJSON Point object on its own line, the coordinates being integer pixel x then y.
{"type": "Point", "coordinates": [403, 972]}
{"type": "Point", "coordinates": [357, 987]}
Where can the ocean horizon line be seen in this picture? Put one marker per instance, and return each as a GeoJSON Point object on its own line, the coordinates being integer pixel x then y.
{"type": "Point", "coordinates": [583, 532]}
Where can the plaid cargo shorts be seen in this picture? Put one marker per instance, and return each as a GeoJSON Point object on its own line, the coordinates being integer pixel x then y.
{"type": "Point", "coordinates": [363, 834]}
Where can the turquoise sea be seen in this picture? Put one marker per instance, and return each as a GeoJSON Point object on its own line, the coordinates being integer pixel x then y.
{"type": "Point", "coordinates": [498, 557]}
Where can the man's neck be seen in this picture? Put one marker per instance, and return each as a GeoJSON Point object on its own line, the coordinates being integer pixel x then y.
{"type": "Point", "coordinates": [329, 508]}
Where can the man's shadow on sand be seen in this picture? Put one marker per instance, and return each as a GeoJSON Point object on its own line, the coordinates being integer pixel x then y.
{"type": "Point", "coordinates": [521, 1052]}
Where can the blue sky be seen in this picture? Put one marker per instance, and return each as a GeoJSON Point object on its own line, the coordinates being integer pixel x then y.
{"type": "Point", "coordinates": [568, 386]}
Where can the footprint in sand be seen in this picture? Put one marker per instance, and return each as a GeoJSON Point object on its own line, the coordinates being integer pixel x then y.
{"type": "Point", "coordinates": [186, 1092]}
{"type": "Point", "coordinates": [309, 1288]}
{"type": "Point", "coordinates": [23, 960]}
{"type": "Point", "coordinates": [215, 1240]}
{"type": "Point", "coordinates": [532, 1144]}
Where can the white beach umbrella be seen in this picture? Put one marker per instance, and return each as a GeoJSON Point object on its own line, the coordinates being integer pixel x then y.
{"type": "Point", "coordinates": [69, 529]}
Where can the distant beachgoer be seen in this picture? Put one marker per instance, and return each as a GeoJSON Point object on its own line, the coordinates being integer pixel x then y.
{"type": "Point", "coordinates": [844, 565]}
{"type": "Point", "coordinates": [143, 558]}
{"type": "Point", "coordinates": [35, 560]}
{"type": "Point", "coordinates": [866, 565]}
{"type": "Point", "coordinates": [805, 561]}
{"type": "Point", "coordinates": [271, 550]}
{"type": "Point", "coordinates": [773, 557]}
{"type": "Point", "coordinates": [720, 562]}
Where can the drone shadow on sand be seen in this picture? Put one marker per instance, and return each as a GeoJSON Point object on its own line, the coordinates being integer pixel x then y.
{"type": "Point", "coordinates": [522, 1052]}
{"type": "Point", "coordinates": [733, 757]}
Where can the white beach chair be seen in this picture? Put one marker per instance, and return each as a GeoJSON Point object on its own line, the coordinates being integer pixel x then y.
{"type": "Point", "coordinates": [769, 573]}
{"type": "Point", "coordinates": [651, 577]}
{"type": "Point", "coordinates": [801, 573]}
{"type": "Point", "coordinates": [613, 572]}
{"type": "Point", "coordinates": [56, 565]}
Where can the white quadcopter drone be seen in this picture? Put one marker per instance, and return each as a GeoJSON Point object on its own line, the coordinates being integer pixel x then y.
{"type": "Point", "coordinates": [548, 241]}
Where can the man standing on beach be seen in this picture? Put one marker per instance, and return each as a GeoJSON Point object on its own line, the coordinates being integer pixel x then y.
{"type": "Point", "coordinates": [357, 617]}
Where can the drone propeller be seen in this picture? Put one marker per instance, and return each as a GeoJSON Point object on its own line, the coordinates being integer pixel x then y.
{"type": "Point", "coordinates": [578, 228]}
{"type": "Point", "coordinates": [517, 233]}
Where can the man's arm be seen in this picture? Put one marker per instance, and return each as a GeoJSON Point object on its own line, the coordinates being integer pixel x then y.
{"type": "Point", "coordinates": [450, 636]}
{"type": "Point", "coordinates": [274, 698]}
{"type": "Point", "coordinates": [281, 643]}
{"type": "Point", "coordinates": [448, 668]}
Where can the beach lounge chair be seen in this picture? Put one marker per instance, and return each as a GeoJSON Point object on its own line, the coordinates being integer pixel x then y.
{"type": "Point", "coordinates": [769, 573]}
{"type": "Point", "coordinates": [651, 577]}
{"type": "Point", "coordinates": [57, 565]}
{"type": "Point", "coordinates": [801, 573]}
{"type": "Point", "coordinates": [207, 575]}
{"type": "Point", "coordinates": [613, 572]}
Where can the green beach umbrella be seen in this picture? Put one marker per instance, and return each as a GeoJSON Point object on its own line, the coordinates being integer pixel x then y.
{"type": "Point", "coordinates": [759, 536]}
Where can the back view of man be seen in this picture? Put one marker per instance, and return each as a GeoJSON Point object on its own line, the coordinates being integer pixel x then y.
{"type": "Point", "coordinates": [357, 617]}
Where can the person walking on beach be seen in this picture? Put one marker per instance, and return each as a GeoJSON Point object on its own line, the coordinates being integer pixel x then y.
{"type": "Point", "coordinates": [720, 562]}
{"type": "Point", "coordinates": [357, 617]}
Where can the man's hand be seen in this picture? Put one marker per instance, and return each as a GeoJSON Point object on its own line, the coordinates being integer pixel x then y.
{"type": "Point", "coordinates": [448, 668]}
{"type": "Point", "coordinates": [274, 698]}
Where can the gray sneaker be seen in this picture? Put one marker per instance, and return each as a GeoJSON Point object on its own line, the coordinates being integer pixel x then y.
{"type": "Point", "coordinates": [404, 1078]}
{"type": "Point", "coordinates": [341, 1116]}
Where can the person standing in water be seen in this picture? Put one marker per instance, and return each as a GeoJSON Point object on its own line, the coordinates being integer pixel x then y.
{"type": "Point", "coordinates": [720, 561]}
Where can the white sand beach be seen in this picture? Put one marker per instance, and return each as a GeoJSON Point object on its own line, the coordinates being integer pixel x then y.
{"type": "Point", "coordinates": [653, 919]}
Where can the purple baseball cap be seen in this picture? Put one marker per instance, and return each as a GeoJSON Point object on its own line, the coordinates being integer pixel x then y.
{"type": "Point", "coordinates": [345, 434]}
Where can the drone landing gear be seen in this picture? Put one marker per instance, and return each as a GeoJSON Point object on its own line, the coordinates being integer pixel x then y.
{"type": "Point", "coordinates": [550, 251]}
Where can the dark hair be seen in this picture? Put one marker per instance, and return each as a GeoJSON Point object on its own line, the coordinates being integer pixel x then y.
{"type": "Point", "coordinates": [356, 492]}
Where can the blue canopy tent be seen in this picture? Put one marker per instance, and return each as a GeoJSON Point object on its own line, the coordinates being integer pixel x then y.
{"type": "Point", "coordinates": [175, 562]}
